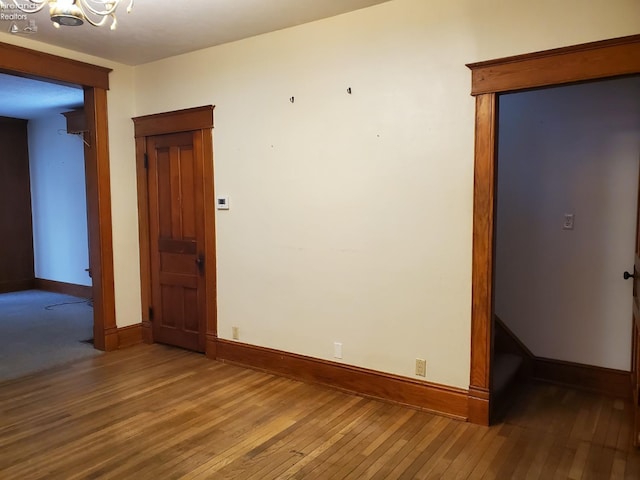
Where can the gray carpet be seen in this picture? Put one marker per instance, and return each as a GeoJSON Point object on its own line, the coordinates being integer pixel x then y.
{"type": "Point", "coordinates": [37, 333]}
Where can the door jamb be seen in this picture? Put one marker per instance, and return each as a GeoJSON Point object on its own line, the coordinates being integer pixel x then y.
{"type": "Point", "coordinates": [95, 82]}
{"type": "Point", "coordinates": [191, 119]}
{"type": "Point", "coordinates": [590, 61]}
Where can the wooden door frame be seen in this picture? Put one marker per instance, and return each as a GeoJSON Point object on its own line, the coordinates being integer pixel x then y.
{"type": "Point", "coordinates": [95, 82]}
{"type": "Point", "coordinates": [191, 119]}
{"type": "Point", "coordinates": [561, 66]}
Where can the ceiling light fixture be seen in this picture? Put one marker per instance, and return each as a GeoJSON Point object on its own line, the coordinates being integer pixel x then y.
{"type": "Point", "coordinates": [73, 12]}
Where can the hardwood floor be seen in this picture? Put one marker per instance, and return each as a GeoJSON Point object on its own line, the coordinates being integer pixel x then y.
{"type": "Point", "coordinates": [154, 412]}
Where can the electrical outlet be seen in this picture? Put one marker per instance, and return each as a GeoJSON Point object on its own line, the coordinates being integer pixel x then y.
{"type": "Point", "coordinates": [235, 333]}
{"type": "Point", "coordinates": [337, 350]}
{"type": "Point", "coordinates": [421, 367]}
{"type": "Point", "coordinates": [567, 224]}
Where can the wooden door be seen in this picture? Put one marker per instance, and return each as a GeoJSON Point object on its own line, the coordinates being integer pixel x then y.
{"type": "Point", "coordinates": [16, 254]}
{"type": "Point", "coordinates": [635, 350]}
{"type": "Point", "coordinates": [177, 239]}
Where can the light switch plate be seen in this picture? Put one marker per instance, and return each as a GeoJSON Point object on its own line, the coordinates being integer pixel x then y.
{"type": "Point", "coordinates": [222, 202]}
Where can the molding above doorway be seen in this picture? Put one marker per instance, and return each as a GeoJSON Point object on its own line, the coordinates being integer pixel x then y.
{"type": "Point", "coordinates": [32, 63]}
{"type": "Point", "coordinates": [588, 61]}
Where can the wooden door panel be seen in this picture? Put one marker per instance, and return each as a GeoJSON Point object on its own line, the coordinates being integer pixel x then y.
{"type": "Point", "coordinates": [187, 227]}
{"type": "Point", "coordinates": [170, 245]}
{"type": "Point", "coordinates": [180, 309]}
{"type": "Point", "coordinates": [635, 381]}
{"type": "Point", "coordinates": [635, 331]}
{"type": "Point", "coordinates": [178, 264]}
{"type": "Point", "coordinates": [190, 309]}
{"type": "Point", "coordinates": [170, 301]}
{"type": "Point", "coordinates": [174, 279]}
{"type": "Point", "coordinates": [163, 194]}
{"type": "Point", "coordinates": [176, 222]}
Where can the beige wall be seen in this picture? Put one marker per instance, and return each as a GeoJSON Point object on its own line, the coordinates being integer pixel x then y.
{"type": "Point", "coordinates": [569, 150]}
{"type": "Point", "coordinates": [350, 215]}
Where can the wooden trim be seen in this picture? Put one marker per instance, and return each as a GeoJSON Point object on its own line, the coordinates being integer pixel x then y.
{"type": "Point", "coordinates": [211, 346]}
{"type": "Point", "coordinates": [479, 408]}
{"type": "Point", "coordinates": [147, 332]}
{"type": "Point", "coordinates": [211, 278]}
{"type": "Point", "coordinates": [482, 267]}
{"type": "Point", "coordinates": [110, 339]}
{"type": "Point", "coordinates": [24, 62]}
{"type": "Point", "coordinates": [98, 185]}
{"type": "Point", "coordinates": [95, 80]}
{"type": "Point", "coordinates": [553, 67]}
{"type": "Point", "coordinates": [424, 395]}
{"type": "Point", "coordinates": [16, 214]}
{"type": "Point", "coordinates": [192, 119]}
{"type": "Point", "coordinates": [17, 286]}
{"type": "Point", "coordinates": [505, 341]}
{"type": "Point", "coordinates": [590, 61]}
{"type": "Point", "coordinates": [76, 121]}
{"type": "Point", "coordinates": [601, 380]}
{"type": "Point", "coordinates": [187, 120]}
{"type": "Point", "coordinates": [73, 289]}
{"type": "Point", "coordinates": [130, 335]}
{"type": "Point", "coordinates": [143, 238]}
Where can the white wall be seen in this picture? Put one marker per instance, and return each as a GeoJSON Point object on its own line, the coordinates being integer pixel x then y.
{"type": "Point", "coordinates": [569, 150]}
{"type": "Point", "coordinates": [336, 233]}
{"type": "Point", "coordinates": [58, 199]}
{"type": "Point", "coordinates": [350, 215]}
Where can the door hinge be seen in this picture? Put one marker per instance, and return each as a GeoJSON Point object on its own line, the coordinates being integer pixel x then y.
{"type": "Point", "coordinates": [150, 313]}
{"type": "Point", "coordinates": [146, 160]}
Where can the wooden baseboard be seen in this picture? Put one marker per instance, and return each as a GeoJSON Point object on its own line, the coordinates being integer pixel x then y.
{"type": "Point", "coordinates": [606, 381]}
{"type": "Point", "coordinates": [508, 342]}
{"type": "Point", "coordinates": [111, 340]}
{"type": "Point", "coordinates": [505, 341]}
{"type": "Point", "coordinates": [479, 406]}
{"type": "Point", "coordinates": [432, 397]}
{"type": "Point", "coordinates": [130, 335]}
{"type": "Point", "coordinates": [16, 286]}
{"type": "Point", "coordinates": [211, 346]}
{"type": "Point", "coordinates": [81, 291]}
{"type": "Point", "coordinates": [147, 333]}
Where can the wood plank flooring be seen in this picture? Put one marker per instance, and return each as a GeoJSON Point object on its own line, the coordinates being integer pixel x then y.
{"type": "Point", "coordinates": [154, 412]}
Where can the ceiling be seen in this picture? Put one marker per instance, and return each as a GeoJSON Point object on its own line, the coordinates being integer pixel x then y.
{"type": "Point", "coordinates": [158, 29]}
{"type": "Point", "coordinates": [26, 98]}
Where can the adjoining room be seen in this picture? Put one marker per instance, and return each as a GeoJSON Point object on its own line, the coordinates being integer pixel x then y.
{"type": "Point", "coordinates": [46, 315]}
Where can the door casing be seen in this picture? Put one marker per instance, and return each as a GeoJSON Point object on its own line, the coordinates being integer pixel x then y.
{"type": "Point", "coordinates": [199, 118]}
{"type": "Point", "coordinates": [95, 82]}
{"type": "Point", "coordinates": [590, 61]}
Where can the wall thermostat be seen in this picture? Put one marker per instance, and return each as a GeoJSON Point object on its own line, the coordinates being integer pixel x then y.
{"type": "Point", "coordinates": [222, 202]}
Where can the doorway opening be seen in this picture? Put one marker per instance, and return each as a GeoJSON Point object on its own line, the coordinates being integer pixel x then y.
{"type": "Point", "coordinates": [94, 81]}
{"type": "Point", "coordinates": [597, 60]}
{"type": "Point", "coordinates": [45, 257]}
{"type": "Point", "coordinates": [565, 228]}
